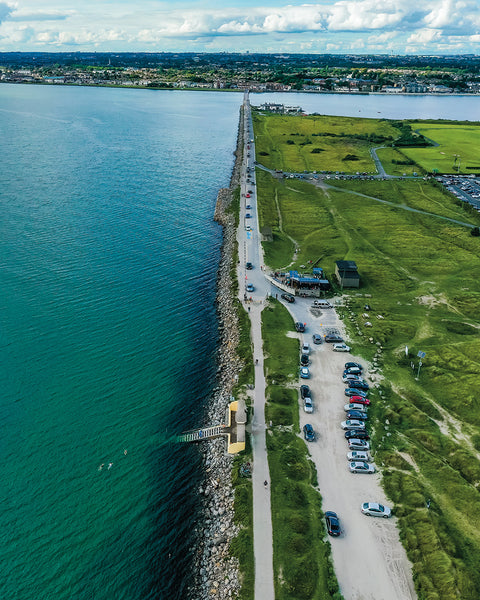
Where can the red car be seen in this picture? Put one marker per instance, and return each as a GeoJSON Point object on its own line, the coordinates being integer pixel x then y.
{"type": "Point", "coordinates": [247, 195]}
{"type": "Point", "coordinates": [359, 400]}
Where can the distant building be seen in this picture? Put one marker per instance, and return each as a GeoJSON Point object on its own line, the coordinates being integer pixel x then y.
{"type": "Point", "coordinates": [347, 273]}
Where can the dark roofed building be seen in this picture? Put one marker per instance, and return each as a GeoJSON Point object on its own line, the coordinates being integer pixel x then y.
{"type": "Point", "coordinates": [347, 273]}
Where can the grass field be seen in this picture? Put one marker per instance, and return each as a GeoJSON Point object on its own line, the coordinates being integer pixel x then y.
{"type": "Point", "coordinates": [453, 139]}
{"type": "Point", "coordinates": [390, 159]}
{"type": "Point", "coordinates": [301, 555]}
{"type": "Point", "coordinates": [315, 143]}
{"type": "Point", "coordinates": [422, 276]}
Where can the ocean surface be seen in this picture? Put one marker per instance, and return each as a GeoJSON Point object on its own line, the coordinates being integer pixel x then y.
{"type": "Point", "coordinates": [108, 331]}
{"type": "Point", "coordinates": [108, 258]}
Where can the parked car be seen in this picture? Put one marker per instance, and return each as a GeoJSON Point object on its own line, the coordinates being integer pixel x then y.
{"type": "Point", "coordinates": [317, 338]}
{"type": "Point", "coordinates": [360, 400]}
{"type": "Point", "coordinates": [350, 377]}
{"type": "Point", "coordinates": [373, 509]}
{"type": "Point", "coordinates": [360, 385]}
{"type": "Point", "coordinates": [305, 373]}
{"type": "Point", "coordinates": [250, 287]}
{"type": "Point", "coordinates": [341, 348]}
{"type": "Point", "coordinates": [300, 327]}
{"type": "Point", "coordinates": [248, 228]}
{"type": "Point", "coordinates": [358, 444]}
{"type": "Point", "coordinates": [359, 455]}
{"type": "Point", "coordinates": [351, 365]}
{"type": "Point", "coordinates": [355, 392]}
{"type": "Point", "coordinates": [332, 338]}
{"type": "Point", "coordinates": [304, 391]}
{"type": "Point", "coordinates": [359, 434]}
{"type": "Point", "coordinates": [249, 266]}
{"type": "Point", "coordinates": [354, 406]}
{"type": "Point", "coordinates": [352, 424]}
{"type": "Point", "coordinates": [333, 524]}
{"type": "Point", "coordinates": [308, 405]}
{"type": "Point", "coordinates": [361, 467]}
{"type": "Point", "coordinates": [360, 415]}
{"type": "Point", "coordinates": [288, 297]}
{"type": "Point", "coordinates": [352, 371]}
{"type": "Point", "coordinates": [248, 207]}
{"type": "Point", "coordinates": [247, 195]}
{"type": "Point", "coordinates": [306, 348]}
{"type": "Point", "coordinates": [248, 216]}
{"type": "Point", "coordinates": [304, 360]}
{"type": "Point", "coordinates": [308, 432]}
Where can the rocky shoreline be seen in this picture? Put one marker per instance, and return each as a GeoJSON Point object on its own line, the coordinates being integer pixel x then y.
{"type": "Point", "coordinates": [216, 573]}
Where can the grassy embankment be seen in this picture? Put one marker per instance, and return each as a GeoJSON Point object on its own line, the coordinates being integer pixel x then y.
{"type": "Point", "coordinates": [423, 275]}
{"type": "Point", "coordinates": [301, 555]}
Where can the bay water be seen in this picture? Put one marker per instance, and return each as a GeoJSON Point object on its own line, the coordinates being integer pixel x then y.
{"type": "Point", "coordinates": [108, 332]}
{"type": "Point", "coordinates": [108, 259]}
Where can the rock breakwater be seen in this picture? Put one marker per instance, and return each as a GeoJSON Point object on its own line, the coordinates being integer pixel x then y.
{"type": "Point", "coordinates": [216, 572]}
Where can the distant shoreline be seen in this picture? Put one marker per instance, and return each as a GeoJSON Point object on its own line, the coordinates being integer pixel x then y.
{"type": "Point", "coordinates": [239, 90]}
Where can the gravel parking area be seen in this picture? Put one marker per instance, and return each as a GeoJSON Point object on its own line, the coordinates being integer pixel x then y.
{"type": "Point", "coordinates": [370, 562]}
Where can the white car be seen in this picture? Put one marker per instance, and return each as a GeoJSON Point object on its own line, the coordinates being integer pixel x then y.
{"type": "Point", "coordinates": [352, 424]}
{"type": "Point", "coordinates": [359, 455]}
{"type": "Point", "coordinates": [356, 444]}
{"type": "Point", "coordinates": [308, 405]}
{"type": "Point", "coordinates": [341, 348]}
{"type": "Point", "coordinates": [361, 467]}
{"type": "Point", "coordinates": [354, 406]}
{"type": "Point", "coordinates": [373, 509]}
{"type": "Point", "coordinates": [306, 348]}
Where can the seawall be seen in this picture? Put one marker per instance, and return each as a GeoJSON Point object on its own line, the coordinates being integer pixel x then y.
{"type": "Point", "coordinates": [216, 573]}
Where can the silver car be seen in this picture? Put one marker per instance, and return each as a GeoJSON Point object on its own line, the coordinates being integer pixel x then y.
{"type": "Point", "coordinates": [359, 455]}
{"type": "Point", "coordinates": [373, 509]}
{"type": "Point", "coordinates": [352, 424]}
{"type": "Point", "coordinates": [356, 444]}
{"type": "Point", "coordinates": [361, 467]}
{"type": "Point", "coordinates": [354, 406]}
{"type": "Point", "coordinates": [308, 405]}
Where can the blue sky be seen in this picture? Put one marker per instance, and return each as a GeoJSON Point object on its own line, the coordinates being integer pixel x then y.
{"type": "Point", "coordinates": [331, 26]}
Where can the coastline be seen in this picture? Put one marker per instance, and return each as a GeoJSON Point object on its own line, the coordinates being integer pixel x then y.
{"type": "Point", "coordinates": [216, 572]}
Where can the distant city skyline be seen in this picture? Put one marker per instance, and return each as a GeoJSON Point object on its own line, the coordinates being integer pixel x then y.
{"type": "Point", "coordinates": [332, 26]}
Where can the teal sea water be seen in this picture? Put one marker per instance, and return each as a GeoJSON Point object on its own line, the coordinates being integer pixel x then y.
{"type": "Point", "coordinates": [108, 258]}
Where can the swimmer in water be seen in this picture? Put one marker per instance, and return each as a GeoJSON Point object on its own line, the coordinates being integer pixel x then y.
{"type": "Point", "coordinates": [100, 467]}
{"type": "Point", "coordinates": [125, 452]}
{"type": "Point", "coordinates": [110, 465]}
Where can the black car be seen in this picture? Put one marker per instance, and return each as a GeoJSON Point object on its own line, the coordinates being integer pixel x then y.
{"type": "Point", "coordinates": [249, 266]}
{"type": "Point", "coordinates": [350, 365]}
{"type": "Point", "coordinates": [359, 434]}
{"type": "Point", "coordinates": [355, 392]}
{"type": "Point", "coordinates": [308, 432]}
{"type": "Point", "coordinates": [288, 297]}
{"type": "Point", "coordinates": [357, 414]}
{"type": "Point", "coordinates": [333, 338]}
{"type": "Point", "coordinates": [333, 524]}
{"type": "Point", "coordinates": [360, 385]}
{"type": "Point", "coordinates": [304, 360]}
{"type": "Point", "coordinates": [304, 391]}
{"type": "Point", "coordinates": [300, 327]}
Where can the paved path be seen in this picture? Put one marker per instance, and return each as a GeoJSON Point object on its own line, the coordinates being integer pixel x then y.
{"type": "Point", "coordinates": [250, 250]}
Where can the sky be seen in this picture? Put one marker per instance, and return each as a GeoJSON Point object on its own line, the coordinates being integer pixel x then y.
{"type": "Point", "coordinates": [331, 26]}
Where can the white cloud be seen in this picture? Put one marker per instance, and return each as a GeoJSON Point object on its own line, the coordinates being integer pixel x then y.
{"type": "Point", "coordinates": [424, 36]}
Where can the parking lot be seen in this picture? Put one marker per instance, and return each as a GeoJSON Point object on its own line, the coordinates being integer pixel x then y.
{"type": "Point", "coordinates": [369, 560]}
{"type": "Point", "coordinates": [463, 187]}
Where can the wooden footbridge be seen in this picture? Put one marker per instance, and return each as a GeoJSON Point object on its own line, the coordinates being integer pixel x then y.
{"type": "Point", "coordinates": [233, 430]}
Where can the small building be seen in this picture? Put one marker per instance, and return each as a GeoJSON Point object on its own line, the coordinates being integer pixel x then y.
{"type": "Point", "coordinates": [347, 273]}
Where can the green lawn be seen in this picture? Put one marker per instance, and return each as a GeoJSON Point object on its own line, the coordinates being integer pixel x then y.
{"type": "Point", "coordinates": [390, 159]}
{"type": "Point", "coordinates": [316, 143]}
{"type": "Point", "coordinates": [453, 139]}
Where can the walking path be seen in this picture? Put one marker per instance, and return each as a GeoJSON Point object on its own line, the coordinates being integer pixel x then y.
{"type": "Point", "coordinates": [249, 241]}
